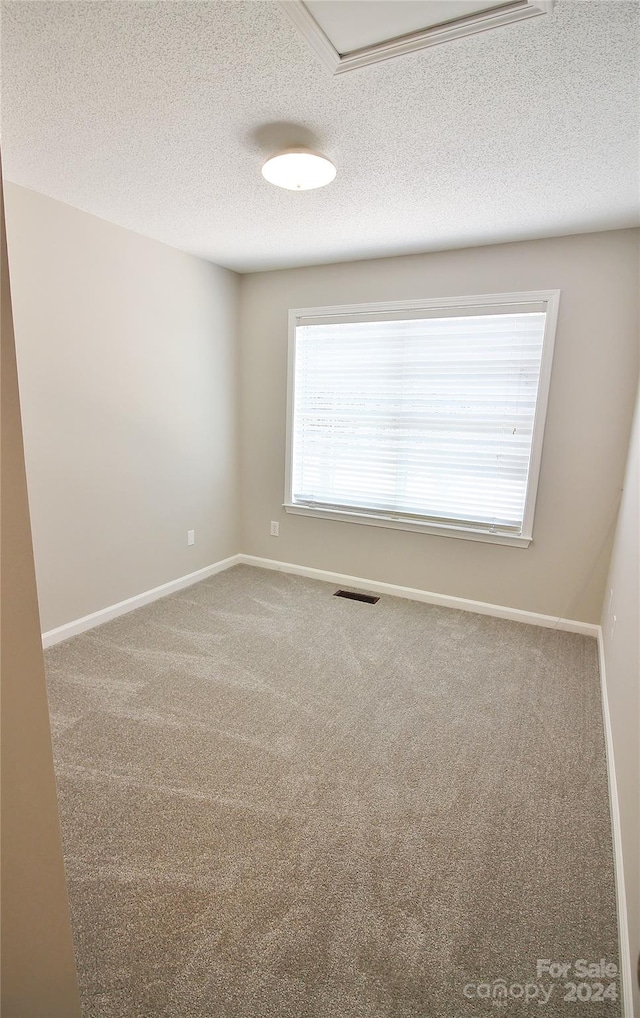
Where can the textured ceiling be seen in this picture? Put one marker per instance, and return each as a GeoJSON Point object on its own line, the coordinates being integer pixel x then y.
{"type": "Point", "coordinates": [155, 116]}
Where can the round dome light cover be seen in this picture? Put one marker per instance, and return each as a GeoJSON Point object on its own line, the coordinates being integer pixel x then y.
{"type": "Point", "coordinates": [299, 169]}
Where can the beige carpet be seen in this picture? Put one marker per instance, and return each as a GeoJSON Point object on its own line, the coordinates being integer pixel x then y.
{"type": "Point", "coordinates": [276, 802]}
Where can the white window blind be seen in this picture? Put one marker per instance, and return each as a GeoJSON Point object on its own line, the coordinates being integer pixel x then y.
{"type": "Point", "coordinates": [420, 418]}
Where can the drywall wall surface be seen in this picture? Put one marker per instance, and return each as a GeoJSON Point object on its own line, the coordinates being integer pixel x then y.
{"type": "Point", "coordinates": [621, 649]}
{"type": "Point", "coordinates": [38, 967]}
{"type": "Point", "coordinates": [589, 415]}
{"type": "Point", "coordinates": [127, 367]}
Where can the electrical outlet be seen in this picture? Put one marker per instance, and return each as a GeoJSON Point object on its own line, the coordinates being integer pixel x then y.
{"type": "Point", "coordinates": [275, 529]}
{"type": "Point", "coordinates": [191, 537]}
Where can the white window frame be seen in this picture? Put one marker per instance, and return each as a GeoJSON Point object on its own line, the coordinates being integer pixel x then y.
{"type": "Point", "coordinates": [551, 300]}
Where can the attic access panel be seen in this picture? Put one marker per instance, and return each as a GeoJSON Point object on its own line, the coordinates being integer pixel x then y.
{"type": "Point", "coordinates": [347, 34]}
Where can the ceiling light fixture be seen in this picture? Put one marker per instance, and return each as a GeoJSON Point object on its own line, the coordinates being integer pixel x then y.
{"type": "Point", "coordinates": [299, 169]}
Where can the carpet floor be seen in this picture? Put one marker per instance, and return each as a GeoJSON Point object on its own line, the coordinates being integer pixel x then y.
{"type": "Point", "coordinates": [276, 802]}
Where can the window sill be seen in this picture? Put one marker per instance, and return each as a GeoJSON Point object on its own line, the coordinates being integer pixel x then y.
{"type": "Point", "coordinates": [391, 523]}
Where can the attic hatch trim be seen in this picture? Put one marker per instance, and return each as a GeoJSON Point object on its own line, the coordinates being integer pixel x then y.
{"type": "Point", "coordinates": [339, 63]}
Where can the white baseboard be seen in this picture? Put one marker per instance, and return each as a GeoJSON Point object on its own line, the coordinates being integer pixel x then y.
{"type": "Point", "coordinates": [412, 593]}
{"type": "Point", "coordinates": [415, 594]}
{"type": "Point", "coordinates": [131, 603]}
{"type": "Point", "coordinates": [626, 969]}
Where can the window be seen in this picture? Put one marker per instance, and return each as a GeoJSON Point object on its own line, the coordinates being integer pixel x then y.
{"type": "Point", "coordinates": [422, 415]}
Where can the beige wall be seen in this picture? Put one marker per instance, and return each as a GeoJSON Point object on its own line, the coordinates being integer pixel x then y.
{"type": "Point", "coordinates": [127, 354]}
{"type": "Point", "coordinates": [38, 968]}
{"type": "Point", "coordinates": [588, 421]}
{"type": "Point", "coordinates": [621, 646]}
{"type": "Point", "coordinates": [127, 366]}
